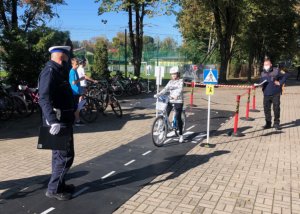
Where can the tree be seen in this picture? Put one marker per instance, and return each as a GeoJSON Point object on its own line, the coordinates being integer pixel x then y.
{"type": "Point", "coordinates": [100, 67]}
{"type": "Point", "coordinates": [23, 34]}
{"type": "Point", "coordinates": [244, 30]}
{"type": "Point", "coordinates": [34, 13]}
{"type": "Point", "coordinates": [195, 22]}
{"type": "Point", "coordinates": [25, 54]}
{"type": "Point", "coordinates": [137, 10]}
{"type": "Point", "coordinates": [269, 31]}
{"type": "Point", "coordinates": [227, 17]}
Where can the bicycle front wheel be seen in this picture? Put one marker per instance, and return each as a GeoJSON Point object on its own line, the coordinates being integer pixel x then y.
{"type": "Point", "coordinates": [116, 107]}
{"type": "Point", "coordinates": [159, 131]}
{"type": "Point", "coordinates": [183, 118]}
{"type": "Point", "coordinates": [89, 112]}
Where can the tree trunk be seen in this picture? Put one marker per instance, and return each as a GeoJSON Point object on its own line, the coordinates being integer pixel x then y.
{"type": "Point", "coordinates": [14, 14]}
{"type": "Point", "coordinates": [3, 16]}
{"type": "Point", "coordinates": [249, 72]}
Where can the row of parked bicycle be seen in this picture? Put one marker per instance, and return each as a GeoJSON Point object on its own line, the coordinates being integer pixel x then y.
{"type": "Point", "coordinates": [23, 101]}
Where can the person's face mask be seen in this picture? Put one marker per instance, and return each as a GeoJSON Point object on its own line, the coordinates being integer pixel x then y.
{"type": "Point", "coordinates": [267, 68]}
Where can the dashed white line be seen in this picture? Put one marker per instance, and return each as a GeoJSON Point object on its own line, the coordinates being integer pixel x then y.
{"type": "Point", "coordinates": [190, 127]}
{"type": "Point", "coordinates": [79, 192]}
{"type": "Point", "coordinates": [48, 210]}
{"type": "Point", "coordinates": [130, 162]}
{"type": "Point", "coordinates": [188, 133]}
{"type": "Point", "coordinates": [146, 153]}
{"type": "Point", "coordinates": [107, 175]}
{"type": "Point", "coordinates": [24, 189]}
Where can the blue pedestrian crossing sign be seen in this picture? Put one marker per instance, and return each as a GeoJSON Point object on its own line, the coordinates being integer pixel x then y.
{"type": "Point", "coordinates": [210, 76]}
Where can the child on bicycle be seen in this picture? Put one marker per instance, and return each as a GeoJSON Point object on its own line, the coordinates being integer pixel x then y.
{"type": "Point", "coordinates": [175, 88]}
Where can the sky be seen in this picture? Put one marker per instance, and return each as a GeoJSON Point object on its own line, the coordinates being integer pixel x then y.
{"type": "Point", "coordinates": [80, 18]}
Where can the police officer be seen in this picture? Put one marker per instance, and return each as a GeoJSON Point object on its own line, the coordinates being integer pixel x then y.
{"type": "Point", "coordinates": [57, 104]}
{"type": "Point", "coordinates": [273, 80]}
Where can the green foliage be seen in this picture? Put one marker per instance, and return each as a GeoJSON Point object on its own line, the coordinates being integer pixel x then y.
{"type": "Point", "coordinates": [241, 30]}
{"type": "Point", "coordinates": [25, 53]}
{"type": "Point", "coordinates": [100, 67]}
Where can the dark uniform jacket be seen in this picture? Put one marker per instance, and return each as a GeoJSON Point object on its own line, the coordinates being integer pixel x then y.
{"type": "Point", "coordinates": [55, 93]}
{"type": "Point", "coordinates": [269, 87]}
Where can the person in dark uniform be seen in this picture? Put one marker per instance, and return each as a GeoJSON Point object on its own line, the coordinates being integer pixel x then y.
{"type": "Point", "coordinates": [57, 104]}
{"type": "Point", "coordinates": [272, 80]}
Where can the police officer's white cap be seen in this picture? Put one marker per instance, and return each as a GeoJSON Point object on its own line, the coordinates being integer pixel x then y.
{"type": "Point", "coordinates": [61, 49]}
{"type": "Point", "coordinates": [174, 70]}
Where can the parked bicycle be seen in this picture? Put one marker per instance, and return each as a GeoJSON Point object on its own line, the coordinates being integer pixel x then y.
{"type": "Point", "coordinates": [11, 102]}
{"type": "Point", "coordinates": [103, 93]}
{"type": "Point", "coordinates": [31, 97]}
{"type": "Point", "coordinates": [162, 124]}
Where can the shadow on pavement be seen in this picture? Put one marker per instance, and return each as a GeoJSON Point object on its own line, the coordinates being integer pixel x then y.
{"type": "Point", "coordinates": [150, 171]}
{"type": "Point", "coordinates": [29, 127]}
{"type": "Point", "coordinates": [39, 182]}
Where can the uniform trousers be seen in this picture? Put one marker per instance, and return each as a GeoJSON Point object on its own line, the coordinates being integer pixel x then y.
{"type": "Point", "coordinates": [268, 101]}
{"type": "Point", "coordinates": [62, 161]}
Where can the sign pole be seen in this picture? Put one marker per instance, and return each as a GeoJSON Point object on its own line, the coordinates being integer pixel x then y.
{"type": "Point", "coordinates": [208, 121]}
{"type": "Point", "coordinates": [210, 79]}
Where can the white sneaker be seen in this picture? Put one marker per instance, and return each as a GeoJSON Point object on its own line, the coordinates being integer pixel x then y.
{"type": "Point", "coordinates": [181, 139]}
{"type": "Point", "coordinates": [171, 134]}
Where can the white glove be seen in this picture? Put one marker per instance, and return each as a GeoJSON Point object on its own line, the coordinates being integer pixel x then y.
{"type": "Point", "coordinates": [155, 96]}
{"type": "Point", "coordinates": [55, 128]}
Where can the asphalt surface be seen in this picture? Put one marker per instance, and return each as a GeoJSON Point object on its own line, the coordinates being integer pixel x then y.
{"type": "Point", "coordinates": [104, 183]}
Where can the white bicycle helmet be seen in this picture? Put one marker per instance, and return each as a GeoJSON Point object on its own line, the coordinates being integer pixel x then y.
{"type": "Point", "coordinates": [174, 70]}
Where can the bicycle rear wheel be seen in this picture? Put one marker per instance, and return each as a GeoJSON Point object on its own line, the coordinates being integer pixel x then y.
{"type": "Point", "coordinates": [20, 106]}
{"type": "Point", "coordinates": [89, 112]}
{"type": "Point", "coordinates": [159, 131]}
{"type": "Point", "coordinates": [116, 107]}
{"type": "Point", "coordinates": [6, 107]}
{"type": "Point", "coordinates": [183, 118]}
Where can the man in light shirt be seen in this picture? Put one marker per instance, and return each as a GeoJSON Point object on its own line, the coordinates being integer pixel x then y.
{"type": "Point", "coordinates": [81, 73]}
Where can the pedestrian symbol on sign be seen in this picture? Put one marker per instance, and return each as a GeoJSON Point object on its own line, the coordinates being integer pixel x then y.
{"type": "Point", "coordinates": [210, 89]}
{"type": "Point", "coordinates": [210, 76]}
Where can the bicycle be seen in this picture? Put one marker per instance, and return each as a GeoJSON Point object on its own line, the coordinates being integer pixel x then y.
{"type": "Point", "coordinates": [10, 103]}
{"type": "Point", "coordinates": [162, 124]}
{"type": "Point", "coordinates": [31, 97]}
{"type": "Point", "coordinates": [89, 108]}
{"type": "Point", "coordinates": [105, 96]}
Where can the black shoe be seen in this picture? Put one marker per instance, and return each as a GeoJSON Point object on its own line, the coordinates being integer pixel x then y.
{"type": "Point", "coordinates": [64, 196]}
{"type": "Point", "coordinates": [69, 188]}
{"type": "Point", "coordinates": [267, 126]}
{"type": "Point", "coordinates": [277, 127]}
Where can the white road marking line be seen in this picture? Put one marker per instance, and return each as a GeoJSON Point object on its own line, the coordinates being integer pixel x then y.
{"type": "Point", "coordinates": [194, 141]}
{"type": "Point", "coordinates": [107, 175]}
{"type": "Point", "coordinates": [146, 153]}
{"type": "Point", "coordinates": [79, 192]}
{"type": "Point", "coordinates": [24, 189]}
{"type": "Point", "coordinates": [48, 210]}
{"type": "Point", "coordinates": [130, 162]}
{"type": "Point", "coordinates": [201, 135]}
{"type": "Point", "coordinates": [188, 133]}
{"type": "Point", "coordinates": [190, 127]}
{"type": "Point", "coordinates": [167, 140]}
